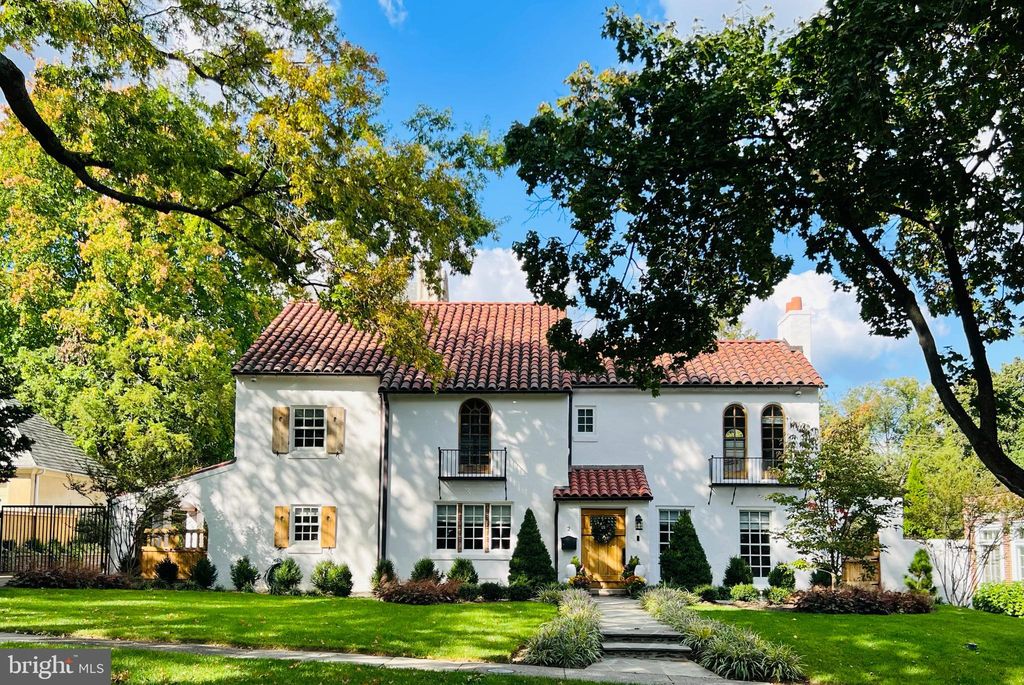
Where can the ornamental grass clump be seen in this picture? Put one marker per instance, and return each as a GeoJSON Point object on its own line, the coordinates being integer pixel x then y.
{"type": "Point", "coordinates": [730, 652]}
{"type": "Point", "coordinates": [570, 640]}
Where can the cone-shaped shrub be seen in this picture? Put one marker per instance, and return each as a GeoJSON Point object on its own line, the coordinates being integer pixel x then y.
{"type": "Point", "coordinates": [530, 561]}
{"type": "Point", "coordinates": [684, 563]}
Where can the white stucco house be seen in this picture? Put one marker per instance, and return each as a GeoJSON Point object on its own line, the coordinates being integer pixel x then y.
{"type": "Point", "coordinates": [343, 454]}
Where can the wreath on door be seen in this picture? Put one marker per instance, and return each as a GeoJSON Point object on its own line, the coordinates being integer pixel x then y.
{"type": "Point", "coordinates": [603, 528]}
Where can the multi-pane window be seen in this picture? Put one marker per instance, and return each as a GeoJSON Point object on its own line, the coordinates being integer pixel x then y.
{"type": "Point", "coordinates": [472, 526]}
{"type": "Point", "coordinates": [501, 526]}
{"type": "Point", "coordinates": [666, 519]}
{"type": "Point", "coordinates": [305, 524]}
{"type": "Point", "coordinates": [308, 426]}
{"type": "Point", "coordinates": [755, 541]}
{"type": "Point", "coordinates": [990, 548]}
{"type": "Point", "coordinates": [773, 435]}
{"type": "Point", "coordinates": [447, 526]}
{"type": "Point", "coordinates": [585, 420]}
{"type": "Point", "coordinates": [474, 435]}
{"type": "Point", "coordinates": [734, 441]}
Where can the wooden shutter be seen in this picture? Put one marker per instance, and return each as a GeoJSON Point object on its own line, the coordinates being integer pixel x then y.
{"type": "Point", "coordinates": [335, 430]}
{"type": "Point", "coordinates": [328, 527]}
{"type": "Point", "coordinates": [281, 527]}
{"type": "Point", "coordinates": [280, 442]}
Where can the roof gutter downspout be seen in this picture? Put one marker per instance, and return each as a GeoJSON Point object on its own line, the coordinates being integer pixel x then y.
{"type": "Point", "coordinates": [35, 485]}
{"type": "Point", "coordinates": [385, 471]}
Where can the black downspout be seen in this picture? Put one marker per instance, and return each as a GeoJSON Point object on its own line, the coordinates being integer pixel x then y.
{"type": "Point", "coordinates": [558, 542]}
{"type": "Point", "coordinates": [385, 471]}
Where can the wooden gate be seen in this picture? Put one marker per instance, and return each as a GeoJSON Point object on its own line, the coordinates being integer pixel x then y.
{"type": "Point", "coordinates": [604, 561]}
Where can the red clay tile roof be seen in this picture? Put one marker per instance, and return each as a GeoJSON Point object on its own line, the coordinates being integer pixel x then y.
{"type": "Point", "coordinates": [605, 482]}
{"type": "Point", "coordinates": [491, 347]}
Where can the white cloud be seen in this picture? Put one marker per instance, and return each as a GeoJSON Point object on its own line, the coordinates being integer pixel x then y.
{"type": "Point", "coordinates": [710, 12]}
{"type": "Point", "coordinates": [496, 277]}
{"type": "Point", "coordinates": [394, 10]}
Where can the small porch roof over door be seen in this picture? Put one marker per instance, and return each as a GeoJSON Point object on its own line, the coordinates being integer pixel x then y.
{"type": "Point", "coordinates": [605, 483]}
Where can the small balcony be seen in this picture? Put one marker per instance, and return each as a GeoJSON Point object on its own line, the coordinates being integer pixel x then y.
{"type": "Point", "coordinates": [454, 464]}
{"type": "Point", "coordinates": [744, 470]}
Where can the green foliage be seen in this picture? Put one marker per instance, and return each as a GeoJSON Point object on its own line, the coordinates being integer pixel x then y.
{"type": "Point", "coordinates": [244, 575]}
{"type": "Point", "coordinates": [919, 574]}
{"type": "Point", "coordinates": [857, 600]}
{"type": "Point", "coordinates": [203, 573]}
{"type": "Point", "coordinates": [469, 592]}
{"type": "Point", "coordinates": [332, 579]}
{"type": "Point", "coordinates": [635, 586]}
{"type": "Point", "coordinates": [782, 576]}
{"type": "Point", "coordinates": [821, 578]}
{"type": "Point", "coordinates": [12, 442]}
{"type": "Point", "coordinates": [531, 562]}
{"type": "Point", "coordinates": [737, 572]}
{"type": "Point", "coordinates": [572, 639]}
{"type": "Point", "coordinates": [1000, 598]}
{"type": "Point", "coordinates": [285, 578]}
{"type": "Point", "coordinates": [424, 570]}
{"type": "Point", "coordinates": [383, 572]}
{"type": "Point", "coordinates": [492, 592]}
{"type": "Point", "coordinates": [462, 570]}
{"type": "Point", "coordinates": [745, 592]}
{"type": "Point", "coordinates": [684, 562]}
{"type": "Point", "coordinates": [777, 595]}
{"type": "Point", "coordinates": [167, 571]}
{"type": "Point", "coordinates": [711, 593]}
{"type": "Point", "coordinates": [520, 592]}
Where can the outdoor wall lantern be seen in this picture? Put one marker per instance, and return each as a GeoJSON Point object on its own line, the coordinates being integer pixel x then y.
{"type": "Point", "coordinates": [639, 522]}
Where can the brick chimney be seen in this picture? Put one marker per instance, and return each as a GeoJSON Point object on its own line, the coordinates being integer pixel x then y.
{"type": "Point", "coordinates": [795, 326]}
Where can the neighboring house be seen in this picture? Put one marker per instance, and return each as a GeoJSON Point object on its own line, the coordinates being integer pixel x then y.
{"type": "Point", "coordinates": [997, 552]}
{"type": "Point", "coordinates": [342, 453]}
{"type": "Point", "coordinates": [46, 470]}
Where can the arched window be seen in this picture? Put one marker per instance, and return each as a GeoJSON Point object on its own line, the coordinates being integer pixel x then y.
{"type": "Point", "coordinates": [734, 439]}
{"type": "Point", "coordinates": [474, 435]}
{"type": "Point", "coordinates": [773, 436]}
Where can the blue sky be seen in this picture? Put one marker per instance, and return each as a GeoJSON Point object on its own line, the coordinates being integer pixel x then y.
{"type": "Point", "coordinates": [493, 63]}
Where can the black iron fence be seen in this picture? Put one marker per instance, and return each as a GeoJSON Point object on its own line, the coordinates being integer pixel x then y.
{"type": "Point", "coordinates": [454, 464]}
{"type": "Point", "coordinates": [745, 470]}
{"type": "Point", "coordinates": [40, 537]}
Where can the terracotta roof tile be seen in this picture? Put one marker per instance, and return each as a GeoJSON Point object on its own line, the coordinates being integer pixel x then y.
{"type": "Point", "coordinates": [605, 482]}
{"type": "Point", "coordinates": [491, 347]}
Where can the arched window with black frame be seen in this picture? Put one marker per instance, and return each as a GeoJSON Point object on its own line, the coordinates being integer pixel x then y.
{"type": "Point", "coordinates": [734, 442]}
{"type": "Point", "coordinates": [773, 436]}
{"type": "Point", "coordinates": [474, 436]}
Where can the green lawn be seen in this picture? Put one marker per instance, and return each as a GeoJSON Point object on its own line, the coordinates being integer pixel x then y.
{"type": "Point", "coordinates": [904, 650]}
{"type": "Point", "coordinates": [481, 632]}
{"type": "Point", "coordinates": [142, 667]}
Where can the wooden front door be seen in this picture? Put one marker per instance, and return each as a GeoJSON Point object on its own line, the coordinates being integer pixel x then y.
{"type": "Point", "coordinates": [604, 560]}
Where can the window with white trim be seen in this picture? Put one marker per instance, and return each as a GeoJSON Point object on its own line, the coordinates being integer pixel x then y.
{"type": "Point", "coordinates": [309, 428]}
{"type": "Point", "coordinates": [447, 526]}
{"type": "Point", "coordinates": [305, 524]}
{"type": "Point", "coordinates": [585, 422]}
{"type": "Point", "coordinates": [501, 526]}
{"type": "Point", "coordinates": [991, 549]}
{"type": "Point", "coordinates": [472, 526]}
{"type": "Point", "coordinates": [755, 541]}
{"type": "Point", "coordinates": [666, 519]}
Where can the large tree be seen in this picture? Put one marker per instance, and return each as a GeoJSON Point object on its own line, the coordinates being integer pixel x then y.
{"type": "Point", "coordinates": [885, 135]}
{"type": "Point", "coordinates": [257, 118]}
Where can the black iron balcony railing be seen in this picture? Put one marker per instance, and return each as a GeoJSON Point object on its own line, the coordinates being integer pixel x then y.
{"type": "Point", "coordinates": [745, 470]}
{"type": "Point", "coordinates": [471, 464]}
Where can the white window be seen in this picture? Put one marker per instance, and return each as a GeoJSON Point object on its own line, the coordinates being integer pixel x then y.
{"type": "Point", "coordinates": [309, 429]}
{"type": "Point", "coordinates": [666, 519]}
{"type": "Point", "coordinates": [990, 552]}
{"type": "Point", "coordinates": [305, 524]}
{"type": "Point", "coordinates": [585, 423]}
{"type": "Point", "coordinates": [501, 526]}
{"type": "Point", "coordinates": [755, 541]}
{"type": "Point", "coordinates": [472, 526]}
{"type": "Point", "coordinates": [447, 526]}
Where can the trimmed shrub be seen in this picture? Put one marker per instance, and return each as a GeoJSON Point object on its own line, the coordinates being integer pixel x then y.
{"type": "Point", "coordinates": [424, 569]}
{"type": "Point", "coordinates": [492, 592]}
{"type": "Point", "coordinates": [285, 578]}
{"type": "Point", "coordinates": [244, 575]}
{"type": "Point", "coordinates": [530, 562]}
{"type": "Point", "coordinates": [821, 578]}
{"type": "Point", "coordinates": [919, 574]}
{"type": "Point", "coordinates": [420, 592]}
{"type": "Point", "coordinates": [463, 571]}
{"type": "Point", "coordinates": [469, 592]}
{"type": "Point", "coordinates": [167, 571]}
{"type": "Point", "coordinates": [744, 593]}
{"type": "Point", "coordinates": [1000, 598]}
{"type": "Point", "coordinates": [723, 649]}
{"type": "Point", "coordinates": [570, 640]}
{"type": "Point", "coordinates": [383, 572]}
{"type": "Point", "coordinates": [737, 572]}
{"type": "Point", "coordinates": [71, 578]}
{"type": "Point", "coordinates": [520, 592]}
{"type": "Point", "coordinates": [684, 563]}
{"type": "Point", "coordinates": [707, 592]}
{"type": "Point", "coordinates": [777, 595]}
{"type": "Point", "coordinates": [333, 579]}
{"type": "Point", "coordinates": [782, 576]}
{"type": "Point", "coordinates": [203, 573]}
{"type": "Point", "coordinates": [855, 600]}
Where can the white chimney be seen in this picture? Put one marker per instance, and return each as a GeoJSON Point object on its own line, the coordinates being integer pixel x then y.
{"type": "Point", "coordinates": [795, 326]}
{"type": "Point", "coordinates": [419, 291]}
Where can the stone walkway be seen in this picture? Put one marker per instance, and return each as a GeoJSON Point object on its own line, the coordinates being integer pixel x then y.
{"type": "Point", "coordinates": [623, 621]}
